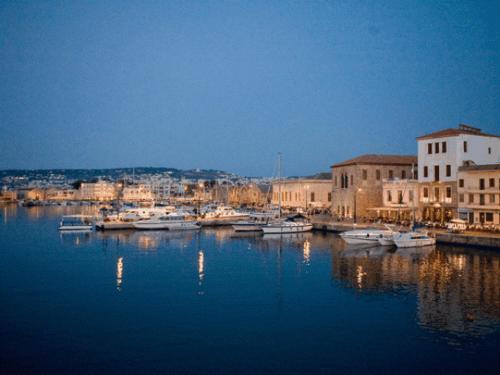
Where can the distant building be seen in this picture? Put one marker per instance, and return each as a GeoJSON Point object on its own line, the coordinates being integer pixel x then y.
{"type": "Point", "coordinates": [35, 194]}
{"type": "Point", "coordinates": [62, 194]}
{"type": "Point", "coordinates": [137, 193]}
{"type": "Point", "coordinates": [440, 154]}
{"type": "Point", "coordinates": [249, 195]}
{"type": "Point", "coordinates": [357, 183]}
{"type": "Point", "coordinates": [98, 191]}
{"type": "Point", "coordinates": [479, 193]}
{"type": "Point", "coordinates": [303, 193]}
{"type": "Point", "coordinates": [8, 195]}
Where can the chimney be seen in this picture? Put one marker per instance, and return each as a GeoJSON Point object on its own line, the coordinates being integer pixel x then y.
{"type": "Point", "coordinates": [469, 128]}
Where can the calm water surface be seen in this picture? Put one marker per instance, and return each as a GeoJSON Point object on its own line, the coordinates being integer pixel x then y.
{"type": "Point", "coordinates": [215, 302]}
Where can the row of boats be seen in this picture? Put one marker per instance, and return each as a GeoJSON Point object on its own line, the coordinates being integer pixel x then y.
{"type": "Point", "coordinates": [171, 218]}
{"type": "Point", "coordinates": [387, 237]}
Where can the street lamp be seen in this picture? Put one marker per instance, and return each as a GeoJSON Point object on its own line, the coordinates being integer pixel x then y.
{"type": "Point", "coordinates": [307, 193]}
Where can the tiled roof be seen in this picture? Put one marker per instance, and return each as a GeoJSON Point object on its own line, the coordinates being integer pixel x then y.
{"type": "Point", "coordinates": [378, 159]}
{"type": "Point", "coordinates": [482, 167]}
{"type": "Point", "coordinates": [452, 132]}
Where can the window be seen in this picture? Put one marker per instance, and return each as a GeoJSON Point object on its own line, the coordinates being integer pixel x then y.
{"type": "Point", "coordinates": [436, 173]}
{"type": "Point", "coordinates": [426, 192]}
{"type": "Point", "coordinates": [448, 192]}
{"type": "Point", "coordinates": [461, 198]}
{"type": "Point", "coordinates": [377, 174]}
{"type": "Point", "coordinates": [329, 197]}
{"type": "Point", "coordinates": [400, 196]}
{"type": "Point", "coordinates": [389, 196]}
{"type": "Point", "coordinates": [429, 148]}
{"type": "Point", "coordinates": [489, 150]}
{"type": "Point", "coordinates": [481, 184]}
{"type": "Point", "coordinates": [481, 199]}
{"type": "Point", "coordinates": [391, 174]}
{"type": "Point", "coordinates": [443, 147]}
{"type": "Point", "coordinates": [489, 216]}
{"type": "Point", "coordinates": [352, 180]}
{"type": "Point", "coordinates": [436, 193]}
{"type": "Point", "coordinates": [465, 146]}
{"type": "Point", "coordinates": [426, 171]}
{"type": "Point", "coordinates": [403, 174]}
{"type": "Point", "coordinates": [410, 197]}
{"type": "Point", "coordinates": [492, 182]}
{"type": "Point", "coordinates": [335, 179]}
{"type": "Point", "coordinates": [448, 170]}
{"type": "Point", "coordinates": [492, 198]}
{"type": "Point", "coordinates": [346, 181]}
{"type": "Point", "coordinates": [365, 174]}
{"type": "Point", "coordinates": [461, 183]}
{"type": "Point", "coordinates": [471, 198]}
{"type": "Point", "coordinates": [313, 196]}
{"type": "Point", "coordinates": [436, 147]}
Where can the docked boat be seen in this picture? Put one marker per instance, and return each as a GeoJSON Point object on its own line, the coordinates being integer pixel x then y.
{"type": "Point", "coordinates": [225, 213]}
{"type": "Point", "coordinates": [366, 236]}
{"type": "Point", "coordinates": [296, 224]}
{"type": "Point", "coordinates": [172, 221]}
{"type": "Point", "coordinates": [76, 223]}
{"type": "Point", "coordinates": [413, 239]}
{"type": "Point", "coordinates": [254, 225]}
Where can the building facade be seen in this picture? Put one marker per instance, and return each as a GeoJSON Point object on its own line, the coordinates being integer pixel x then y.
{"type": "Point", "coordinates": [399, 200]}
{"type": "Point", "coordinates": [305, 194]}
{"type": "Point", "coordinates": [479, 194]}
{"type": "Point", "coordinates": [98, 191]}
{"type": "Point", "coordinates": [137, 193]}
{"type": "Point", "coordinates": [358, 182]}
{"type": "Point", "coordinates": [440, 154]}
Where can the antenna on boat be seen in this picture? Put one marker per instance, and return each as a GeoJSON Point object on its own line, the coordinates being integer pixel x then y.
{"type": "Point", "coordinates": [279, 184]}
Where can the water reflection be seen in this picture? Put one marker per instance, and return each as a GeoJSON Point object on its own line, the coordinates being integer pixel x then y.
{"type": "Point", "coordinates": [307, 252]}
{"type": "Point", "coordinates": [457, 290]}
{"type": "Point", "coordinates": [119, 273]}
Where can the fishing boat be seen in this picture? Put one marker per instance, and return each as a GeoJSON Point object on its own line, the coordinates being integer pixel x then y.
{"type": "Point", "coordinates": [76, 223]}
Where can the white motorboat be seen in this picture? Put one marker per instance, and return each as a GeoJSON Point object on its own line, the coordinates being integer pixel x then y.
{"type": "Point", "coordinates": [76, 223]}
{"type": "Point", "coordinates": [223, 213]}
{"type": "Point", "coordinates": [172, 221]}
{"type": "Point", "coordinates": [366, 236]}
{"type": "Point", "coordinates": [387, 240]}
{"type": "Point", "coordinates": [413, 239]}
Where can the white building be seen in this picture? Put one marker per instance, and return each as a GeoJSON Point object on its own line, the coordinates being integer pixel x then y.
{"type": "Point", "coordinates": [98, 191]}
{"type": "Point", "coordinates": [303, 193]}
{"type": "Point", "coordinates": [400, 200]}
{"type": "Point", "coordinates": [137, 193]}
{"type": "Point", "coordinates": [440, 154]}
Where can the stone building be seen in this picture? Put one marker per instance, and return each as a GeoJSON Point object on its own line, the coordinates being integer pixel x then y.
{"type": "Point", "coordinates": [98, 191]}
{"type": "Point", "coordinates": [253, 195]}
{"type": "Point", "coordinates": [357, 183]}
{"type": "Point", "coordinates": [479, 194]}
{"type": "Point", "coordinates": [440, 154]}
{"type": "Point", "coordinates": [137, 193]}
{"type": "Point", "coordinates": [399, 200]}
{"type": "Point", "coordinates": [305, 194]}
{"type": "Point", "coordinates": [62, 194]}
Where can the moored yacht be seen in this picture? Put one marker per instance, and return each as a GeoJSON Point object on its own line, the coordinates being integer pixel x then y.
{"type": "Point", "coordinates": [225, 212]}
{"type": "Point", "coordinates": [296, 224]}
{"type": "Point", "coordinates": [413, 239]}
{"type": "Point", "coordinates": [76, 223]}
{"type": "Point", "coordinates": [366, 236]}
{"type": "Point", "coordinates": [172, 221]}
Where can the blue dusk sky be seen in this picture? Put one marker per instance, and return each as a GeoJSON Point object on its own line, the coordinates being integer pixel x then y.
{"type": "Point", "coordinates": [227, 84]}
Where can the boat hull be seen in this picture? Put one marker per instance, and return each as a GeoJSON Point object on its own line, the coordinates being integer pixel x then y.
{"type": "Point", "coordinates": [247, 227]}
{"type": "Point", "coordinates": [415, 243]}
{"type": "Point", "coordinates": [75, 228]}
{"type": "Point", "coordinates": [285, 229]}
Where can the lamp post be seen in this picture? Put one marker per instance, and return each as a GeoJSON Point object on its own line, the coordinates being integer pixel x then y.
{"type": "Point", "coordinates": [307, 193]}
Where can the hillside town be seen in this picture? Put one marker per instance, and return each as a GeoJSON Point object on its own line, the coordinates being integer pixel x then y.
{"type": "Point", "coordinates": [455, 175]}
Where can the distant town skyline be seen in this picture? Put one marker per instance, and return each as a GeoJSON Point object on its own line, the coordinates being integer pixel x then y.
{"type": "Point", "coordinates": [228, 85]}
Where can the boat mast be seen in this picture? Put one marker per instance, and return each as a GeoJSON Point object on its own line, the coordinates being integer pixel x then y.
{"type": "Point", "coordinates": [279, 183]}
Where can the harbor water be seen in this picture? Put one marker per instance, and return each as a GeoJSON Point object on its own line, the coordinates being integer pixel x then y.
{"type": "Point", "coordinates": [217, 302]}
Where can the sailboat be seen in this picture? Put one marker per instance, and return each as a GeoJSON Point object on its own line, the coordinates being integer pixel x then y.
{"type": "Point", "coordinates": [294, 224]}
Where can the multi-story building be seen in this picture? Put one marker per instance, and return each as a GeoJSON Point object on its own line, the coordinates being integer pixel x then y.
{"type": "Point", "coordinates": [479, 193]}
{"type": "Point", "coordinates": [249, 195]}
{"type": "Point", "coordinates": [137, 193]}
{"type": "Point", "coordinates": [440, 154]}
{"type": "Point", "coordinates": [62, 194]}
{"type": "Point", "coordinates": [399, 200]}
{"type": "Point", "coordinates": [303, 193]}
{"type": "Point", "coordinates": [98, 191]}
{"type": "Point", "coordinates": [357, 183]}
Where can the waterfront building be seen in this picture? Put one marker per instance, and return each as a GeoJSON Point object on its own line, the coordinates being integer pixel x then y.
{"type": "Point", "coordinates": [98, 191]}
{"type": "Point", "coordinates": [440, 154]}
{"type": "Point", "coordinates": [35, 194]}
{"type": "Point", "coordinates": [249, 195]}
{"type": "Point", "coordinates": [62, 194]}
{"type": "Point", "coordinates": [479, 194]}
{"type": "Point", "coordinates": [8, 195]}
{"type": "Point", "coordinates": [400, 200]}
{"type": "Point", "coordinates": [303, 193]}
{"type": "Point", "coordinates": [358, 182]}
{"type": "Point", "coordinates": [137, 193]}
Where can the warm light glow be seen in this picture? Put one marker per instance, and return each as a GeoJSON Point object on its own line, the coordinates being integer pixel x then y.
{"type": "Point", "coordinates": [201, 265]}
{"type": "Point", "coordinates": [307, 252]}
{"type": "Point", "coordinates": [359, 276]}
{"type": "Point", "coordinates": [119, 273]}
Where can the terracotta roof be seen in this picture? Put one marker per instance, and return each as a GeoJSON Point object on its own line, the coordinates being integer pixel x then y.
{"type": "Point", "coordinates": [378, 159]}
{"type": "Point", "coordinates": [481, 167]}
{"type": "Point", "coordinates": [452, 132]}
